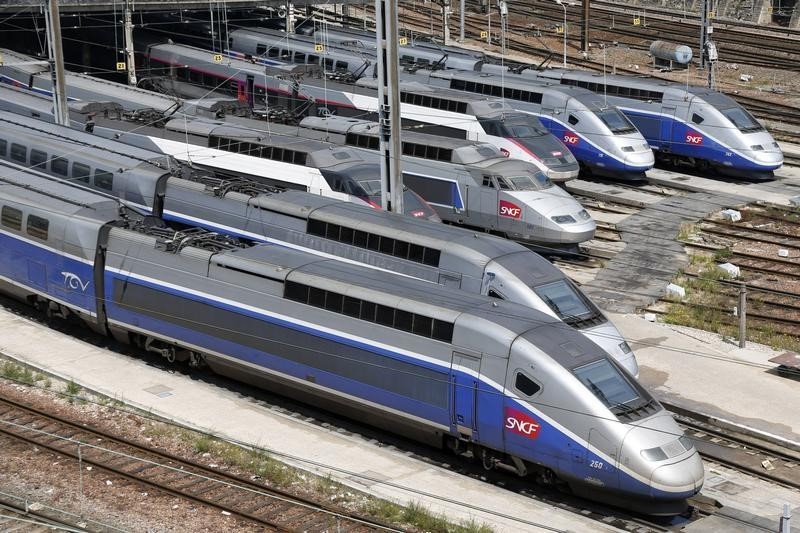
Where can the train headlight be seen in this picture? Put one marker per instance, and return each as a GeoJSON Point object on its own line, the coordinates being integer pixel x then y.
{"type": "Point", "coordinates": [584, 215]}
{"type": "Point", "coordinates": [687, 443]}
{"type": "Point", "coordinates": [625, 347]}
{"type": "Point", "coordinates": [654, 454]}
{"type": "Point", "coordinates": [563, 219]}
{"type": "Point", "coordinates": [627, 148]}
{"type": "Point", "coordinates": [757, 147]}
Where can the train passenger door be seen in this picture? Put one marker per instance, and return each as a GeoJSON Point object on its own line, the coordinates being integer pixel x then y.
{"type": "Point", "coordinates": [464, 379]}
{"type": "Point", "coordinates": [667, 127]}
{"type": "Point", "coordinates": [489, 203]}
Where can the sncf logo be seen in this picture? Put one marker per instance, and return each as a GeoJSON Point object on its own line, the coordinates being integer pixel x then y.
{"type": "Point", "coordinates": [570, 139]}
{"type": "Point", "coordinates": [418, 214]}
{"type": "Point", "coordinates": [520, 423]}
{"type": "Point", "coordinates": [694, 138]}
{"type": "Point", "coordinates": [507, 209]}
{"type": "Point", "coordinates": [505, 152]}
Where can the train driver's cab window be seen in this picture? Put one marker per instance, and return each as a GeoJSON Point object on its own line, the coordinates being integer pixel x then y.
{"type": "Point", "coordinates": [488, 182]}
{"type": "Point", "coordinates": [697, 119]}
{"type": "Point", "coordinates": [503, 184]}
{"type": "Point", "coordinates": [103, 180]}
{"type": "Point", "coordinates": [3, 147]}
{"type": "Point", "coordinates": [37, 227]}
{"type": "Point", "coordinates": [19, 153]}
{"type": "Point", "coordinates": [495, 294]}
{"type": "Point", "coordinates": [526, 385]}
{"type": "Point", "coordinates": [572, 119]}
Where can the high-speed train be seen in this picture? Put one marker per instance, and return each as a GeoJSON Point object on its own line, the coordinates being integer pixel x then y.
{"type": "Point", "coordinates": [469, 184]}
{"type": "Point", "coordinates": [440, 111]}
{"type": "Point", "coordinates": [694, 125]}
{"type": "Point", "coordinates": [600, 137]}
{"type": "Point", "coordinates": [335, 174]}
{"type": "Point", "coordinates": [500, 381]}
{"type": "Point", "coordinates": [603, 141]}
{"type": "Point", "coordinates": [474, 262]}
{"type": "Point", "coordinates": [338, 49]}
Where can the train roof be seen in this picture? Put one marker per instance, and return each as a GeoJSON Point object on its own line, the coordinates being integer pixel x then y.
{"type": "Point", "coordinates": [457, 151]}
{"type": "Point", "coordinates": [633, 82]}
{"type": "Point", "coordinates": [401, 292]}
{"type": "Point", "coordinates": [37, 189]}
{"type": "Point", "coordinates": [300, 42]}
{"type": "Point", "coordinates": [516, 81]}
{"type": "Point", "coordinates": [130, 98]}
{"type": "Point", "coordinates": [25, 100]}
{"type": "Point", "coordinates": [198, 56]}
{"type": "Point", "coordinates": [123, 156]}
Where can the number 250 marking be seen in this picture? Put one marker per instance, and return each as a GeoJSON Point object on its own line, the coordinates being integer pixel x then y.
{"type": "Point", "coordinates": [596, 464]}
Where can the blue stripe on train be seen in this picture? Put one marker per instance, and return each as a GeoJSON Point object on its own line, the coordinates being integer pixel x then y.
{"type": "Point", "coordinates": [45, 270]}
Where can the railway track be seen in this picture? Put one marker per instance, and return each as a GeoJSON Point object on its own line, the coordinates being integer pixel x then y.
{"type": "Point", "coordinates": [266, 507]}
{"type": "Point", "coordinates": [740, 451]}
{"type": "Point", "coordinates": [18, 514]}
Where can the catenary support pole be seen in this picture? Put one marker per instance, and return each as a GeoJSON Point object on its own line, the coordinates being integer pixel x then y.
{"type": "Point", "coordinates": [389, 105]}
{"type": "Point", "coordinates": [742, 314]}
{"type": "Point", "coordinates": [129, 57]}
{"type": "Point", "coordinates": [57, 63]}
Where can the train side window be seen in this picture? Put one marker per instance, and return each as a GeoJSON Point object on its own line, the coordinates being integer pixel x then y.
{"type": "Point", "coordinates": [487, 182]}
{"type": "Point", "coordinates": [422, 325]}
{"type": "Point", "coordinates": [403, 320]}
{"type": "Point", "coordinates": [573, 119]}
{"type": "Point", "coordinates": [385, 315]}
{"type": "Point", "coordinates": [59, 165]}
{"type": "Point", "coordinates": [316, 297]}
{"type": "Point", "coordinates": [11, 218]}
{"type": "Point", "coordinates": [296, 291]}
{"type": "Point", "coordinates": [38, 158]}
{"type": "Point", "coordinates": [103, 180]}
{"type": "Point", "coordinates": [351, 306]}
{"type": "Point", "coordinates": [526, 385]}
{"type": "Point", "coordinates": [494, 294]}
{"type": "Point", "coordinates": [273, 52]}
{"type": "Point", "coordinates": [299, 58]}
{"type": "Point", "coordinates": [342, 66]}
{"type": "Point", "coordinates": [368, 311]}
{"type": "Point", "coordinates": [37, 227]}
{"type": "Point", "coordinates": [81, 172]}
{"type": "Point", "coordinates": [334, 302]}
{"type": "Point", "coordinates": [442, 331]}
{"type": "Point", "coordinates": [697, 119]}
{"type": "Point", "coordinates": [3, 147]}
{"type": "Point", "coordinates": [19, 153]}
{"type": "Point", "coordinates": [261, 49]}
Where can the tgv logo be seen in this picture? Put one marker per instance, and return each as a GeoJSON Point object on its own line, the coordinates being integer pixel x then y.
{"type": "Point", "coordinates": [507, 209]}
{"type": "Point", "coordinates": [520, 423]}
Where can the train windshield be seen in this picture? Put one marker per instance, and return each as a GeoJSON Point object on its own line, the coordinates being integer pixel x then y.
{"type": "Point", "coordinates": [743, 120]}
{"type": "Point", "coordinates": [569, 304]}
{"type": "Point", "coordinates": [610, 386]}
{"type": "Point", "coordinates": [520, 126]}
{"type": "Point", "coordinates": [616, 121]}
{"type": "Point", "coordinates": [529, 182]}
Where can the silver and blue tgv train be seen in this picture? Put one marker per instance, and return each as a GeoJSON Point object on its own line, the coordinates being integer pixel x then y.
{"type": "Point", "coordinates": [603, 141]}
{"type": "Point", "coordinates": [444, 112]}
{"type": "Point", "coordinates": [340, 50]}
{"type": "Point", "coordinates": [469, 184]}
{"type": "Point", "coordinates": [693, 125]}
{"type": "Point", "coordinates": [600, 137]}
{"type": "Point", "coordinates": [474, 262]}
{"type": "Point", "coordinates": [499, 380]}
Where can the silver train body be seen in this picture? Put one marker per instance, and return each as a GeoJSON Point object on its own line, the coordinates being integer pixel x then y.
{"type": "Point", "coordinates": [413, 247]}
{"type": "Point", "coordinates": [600, 137]}
{"type": "Point", "coordinates": [344, 51]}
{"type": "Point", "coordinates": [470, 184]}
{"type": "Point", "coordinates": [505, 382]}
{"type": "Point", "coordinates": [693, 125]}
{"type": "Point", "coordinates": [440, 111]}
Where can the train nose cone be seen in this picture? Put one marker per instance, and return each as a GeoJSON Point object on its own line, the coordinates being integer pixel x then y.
{"type": "Point", "coordinates": [681, 479]}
